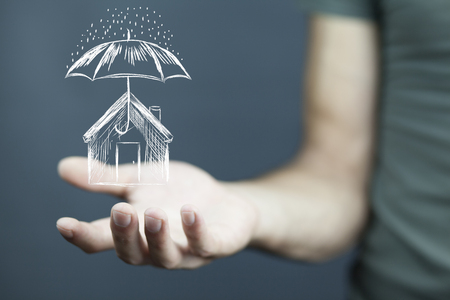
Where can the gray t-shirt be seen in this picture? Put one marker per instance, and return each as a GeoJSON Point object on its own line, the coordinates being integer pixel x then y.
{"type": "Point", "coordinates": [405, 252]}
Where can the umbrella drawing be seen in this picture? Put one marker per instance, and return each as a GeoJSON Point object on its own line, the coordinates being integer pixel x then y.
{"type": "Point", "coordinates": [128, 58]}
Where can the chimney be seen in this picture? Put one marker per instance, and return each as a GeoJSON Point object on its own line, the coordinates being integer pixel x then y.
{"type": "Point", "coordinates": [156, 111]}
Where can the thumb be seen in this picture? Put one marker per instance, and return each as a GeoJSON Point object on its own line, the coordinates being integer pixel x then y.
{"type": "Point", "coordinates": [74, 170]}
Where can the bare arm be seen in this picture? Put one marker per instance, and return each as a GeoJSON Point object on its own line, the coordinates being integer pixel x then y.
{"type": "Point", "coordinates": [316, 206]}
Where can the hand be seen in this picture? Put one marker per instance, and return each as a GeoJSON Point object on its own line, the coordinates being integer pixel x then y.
{"type": "Point", "coordinates": [184, 224]}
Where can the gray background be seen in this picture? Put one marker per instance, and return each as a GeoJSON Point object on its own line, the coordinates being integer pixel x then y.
{"type": "Point", "coordinates": [239, 117]}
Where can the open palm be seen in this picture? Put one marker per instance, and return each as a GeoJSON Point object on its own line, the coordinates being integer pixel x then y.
{"type": "Point", "coordinates": [184, 224]}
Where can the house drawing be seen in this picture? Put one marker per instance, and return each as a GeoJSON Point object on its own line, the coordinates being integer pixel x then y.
{"type": "Point", "coordinates": [130, 133]}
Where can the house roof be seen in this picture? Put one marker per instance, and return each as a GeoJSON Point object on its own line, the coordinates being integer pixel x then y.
{"type": "Point", "coordinates": [138, 113]}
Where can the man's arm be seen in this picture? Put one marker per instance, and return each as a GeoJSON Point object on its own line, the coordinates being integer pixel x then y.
{"type": "Point", "coordinates": [311, 209]}
{"type": "Point", "coordinates": [316, 206]}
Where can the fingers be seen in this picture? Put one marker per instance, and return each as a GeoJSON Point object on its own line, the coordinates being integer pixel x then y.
{"type": "Point", "coordinates": [75, 171]}
{"type": "Point", "coordinates": [201, 241]}
{"type": "Point", "coordinates": [162, 250]}
{"type": "Point", "coordinates": [128, 242]}
{"type": "Point", "coordinates": [90, 237]}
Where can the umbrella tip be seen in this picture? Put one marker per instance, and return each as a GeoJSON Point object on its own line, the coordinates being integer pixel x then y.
{"type": "Point", "coordinates": [128, 34]}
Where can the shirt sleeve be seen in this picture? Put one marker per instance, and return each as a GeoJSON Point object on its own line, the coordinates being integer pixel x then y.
{"type": "Point", "coordinates": [365, 9]}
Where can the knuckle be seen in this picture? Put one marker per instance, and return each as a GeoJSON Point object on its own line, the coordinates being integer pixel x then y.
{"type": "Point", "coordinates": [167, 264]}
{"type": "Point", "coordinates": [89, 249]}
{"type": "Point", "coordinates": [202, 253]}
{"type": "Point", "coordinates": [129, 260]}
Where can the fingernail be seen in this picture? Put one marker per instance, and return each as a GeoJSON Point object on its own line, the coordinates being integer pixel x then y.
{"type": "Point", "coordinates": [188, 217]}
{"type": "Point", "coordinates": [65, 233]}
{"type": "Point", "coordinates": [153, 225]}
{"type": "Point", "coordinates": [121, 219]}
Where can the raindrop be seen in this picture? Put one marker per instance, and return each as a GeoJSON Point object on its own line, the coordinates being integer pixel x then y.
{"type": "Point", "coordinates": [71, 54]}
{"type": "Point", "coordinates": [114, 21]}
{"type": "Point", "coordinates": [142, 26]}
{"type": "Point", "coordinates": [164, 36]}
{"type": "Point", "coordinates": [154, 12]}
{"type": "Point", "coordinates": [121, 21]}
{"type": "Point", "coordinates": [109, 26]}
{"type": "Point", "coordinates": [140, 7]}
{"type": "Point", "coordinates": [107, 9]}
{"type": "Point", "coordinates": [114, 33]}
{"type": "Point", "coordinates": [146, 8]}
{"type": "Point", "coordinates": [67, 66]}
{"type": "Point", "coordinates": [154, 22]}
{"type": "Point", "coordinates": [128, 8]}
{"type": "Point", "coordinates": [95, 31]}
{"type": "Point", "coordinates": [142, 18]}
{"type": "Point", "coordinates": [134, 35]}
{"type": "Point", "coordinates": [181, 59]}
{"type": "Point", "coordinates": [101, 20]}
{"type": "Point", "coordinates": [135, 23]}
{"type": "Point", "coordinates": [158, 33]}
{"type": "Point", "coordinates": [120, 28]}
{"type": "Point", "coordinates": [130, 22]}
{"type": "Point", "coordinates": [82, 47]}
{"type": "Point", "coordinates": [136, 15]}
{"type": "Point", "coordinates": [168, 39]}
{"type": "Point", "coordinates": [115, 8]}
{"type": "Point", "coordinates": [160, 16]}
{"type": "Point", "coordinates": [142, 32]}
{"type": "Point", "coordinates": [155, 38]}
{"type": "Point", "coordinates": [113, 15]}
{"type": "Point", "coordinates": [73, 60]}
{"type": "Point", "coordinates": [92, 24]}
{"type": "Point", "coordinates": [178, 53]}
{"type": "Point", "coordinates": [124, 17]}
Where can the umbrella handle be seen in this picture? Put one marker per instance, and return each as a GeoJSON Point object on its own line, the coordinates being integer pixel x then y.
{"type": "Point", "coordinates": [128, 106]}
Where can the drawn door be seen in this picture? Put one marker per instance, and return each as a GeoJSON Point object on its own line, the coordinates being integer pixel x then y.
{"type": "Point", "coordinates": [128, 153]}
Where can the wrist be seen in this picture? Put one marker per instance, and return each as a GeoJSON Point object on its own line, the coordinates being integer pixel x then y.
{"type": "Point", "coordinates": [265, 212]}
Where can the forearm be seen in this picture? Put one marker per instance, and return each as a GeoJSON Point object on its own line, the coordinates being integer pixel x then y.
{"type": "Point", "coordinates": [304, 214]}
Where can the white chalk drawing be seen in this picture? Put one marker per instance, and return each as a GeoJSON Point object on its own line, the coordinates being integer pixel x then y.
{"type": "Point", "coordinates": [128, 126]}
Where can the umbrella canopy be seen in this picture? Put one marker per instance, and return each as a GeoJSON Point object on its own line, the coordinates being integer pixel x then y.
{"type": "Point", "coordinates": [128, 58]}
{"type": "Point", "coordinates": [125, 59]}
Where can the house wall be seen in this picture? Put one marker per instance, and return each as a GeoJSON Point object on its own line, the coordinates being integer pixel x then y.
{"type": "Point", "coordinates": [154, 160]}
